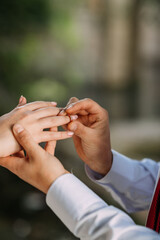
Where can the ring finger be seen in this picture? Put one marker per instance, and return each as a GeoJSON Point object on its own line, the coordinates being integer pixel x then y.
{"type": "Point", "coordinates": [55, 121]}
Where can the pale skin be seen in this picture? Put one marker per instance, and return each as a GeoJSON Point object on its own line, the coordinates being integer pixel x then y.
{"type": "Point", "coordinates": [35, 117]}
{"type": "Point", "coordinates": [92, 141]}
{"type": "Point", "coordinates": [39, 168]}
{"type": "Point", "coordinates": [91, 133]}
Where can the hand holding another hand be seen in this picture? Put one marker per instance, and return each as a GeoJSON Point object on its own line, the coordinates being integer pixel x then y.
{"type": "Point", "coordinates": [91, 133]}
{"type": "Point", "coordinates": [35, 117]}
{"type": "Point", "coordinates": [38, 168]}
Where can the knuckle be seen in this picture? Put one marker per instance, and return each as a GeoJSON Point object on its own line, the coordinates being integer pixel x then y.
{"type": "Point", "coordinates": [22, 112]}
{"type": "Point", "coordinates": [73, 99]}
{"type": "Point", "coordinates": [48, 137]}
{"type": "Point", "coordinates": [55, 110]}
{"type": "Point", "coordinates": [66, 118]}
{"type": "Point", "coordinates": [37, 102]}
{"type": "Point", "coordinates": [20, 109]}
{"type": "Point", "coordinates": [51, 137]}
{"type": "Point", "coordinates": [88, 100]}
{"type": "Point", "coordinates": [24, 115]}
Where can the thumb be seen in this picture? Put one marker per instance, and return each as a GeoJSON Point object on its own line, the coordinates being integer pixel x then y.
{"type": "Point", "coordinates": [72, 100]}
{"type": "Point", "coordinates": [79, 129]}
{"type": "Point", "coordinates": [25, 139]}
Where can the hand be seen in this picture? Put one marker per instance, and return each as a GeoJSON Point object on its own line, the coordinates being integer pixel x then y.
{"type": "Point", "coordinates": [35, 117]}
{"type": "Point", "coordinates": [51, 145]}
{"type": "Point", "coordinates": [91, 133]}
{"type": "Point", "coordinates": [39, 168]}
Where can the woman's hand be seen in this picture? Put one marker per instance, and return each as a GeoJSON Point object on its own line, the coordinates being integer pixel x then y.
{"type": "Point", "coordinates": [35, 117]}
{"type": "Point", "coordinates": [38, 168]}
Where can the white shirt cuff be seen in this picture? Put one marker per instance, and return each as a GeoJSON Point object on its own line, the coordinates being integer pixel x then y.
{"type": "Point", "coordinates": [68, 197]}
{"type": "Point", "coordinates": [117, 174]}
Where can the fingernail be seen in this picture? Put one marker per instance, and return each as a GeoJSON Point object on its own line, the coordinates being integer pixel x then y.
{"type": "Point", "coordinates": [18, 128]}
{"type": "Point", "coordinates": [21, 99]}
{"type": "Point", "coordinates": [70, 133]}
{"type": "Point", "coordinates": [73, 127]}
{"type": "Point", "coordinates": [54, 103]}
{"type": "Point", "coordinates": [73, 117]}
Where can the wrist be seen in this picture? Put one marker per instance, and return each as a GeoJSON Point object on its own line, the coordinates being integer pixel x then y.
{"type": "Point", "coordinates": [53, 179]}
{"type": "Point", "coordinates": [102, 167]}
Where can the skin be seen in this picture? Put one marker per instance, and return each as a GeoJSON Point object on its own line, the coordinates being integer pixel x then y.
{"type": "Point", "coordinates": [92, 141]}
{"type": "Point", "coordinates": [91, 133]}
{"type": "Point", "coordinates": [39, 168]}
{"type": "Point", "coordinates": [35, 117]}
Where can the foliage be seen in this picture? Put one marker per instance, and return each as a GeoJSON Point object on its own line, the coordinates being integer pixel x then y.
{"type": "Point", "coordinates": [36, 36]}
{"type": "Point", "coordinates": [20, 16]}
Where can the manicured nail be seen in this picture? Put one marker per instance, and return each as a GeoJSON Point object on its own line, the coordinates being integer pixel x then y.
{"type": "Point", "coordinates": [18, 128]}
{"type": "Point", "coordinates": [21, 99]}
{"type": "Point", "coordinates": [73, 117]}
{"type": "Point", "coordinates": [54, 103]}
{"type": "Point", "coordinates": [70, 133]}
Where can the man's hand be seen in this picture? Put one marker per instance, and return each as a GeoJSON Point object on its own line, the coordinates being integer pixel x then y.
{"type": "Point", "coordinates": [91, 133]}
{"type": "Point", "coordinates": [39, 168]}
{"type": "Point", "coordinates": [35, 117]}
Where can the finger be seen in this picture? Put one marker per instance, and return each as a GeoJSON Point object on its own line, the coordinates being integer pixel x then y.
{"type": "Point", "coordinates": [79, 129]}
{"type": "Point", "coordinates": [54, 121]}
{"type": "Point", "coordinates": [83, 107]}
{"type": "Point", "coordinates": [11, 163]}
{"type": "Point", "coordinates": [46, 112]}
{"type": "Point", "coordinates": [72, 118]}
{"type": "Point", "coordinates": [71, 100]}
{"type": "Point", "coordinates": [37, 105]}
{"type": "Point", "coordinates": [63, 112]}
{"type": "Point", "coordinates": [74, 100]}
{"type": "Point", "coordinates": [25, 139]}
{"type": "Point", "coordinates": [51, 145]}
{"type": "Point", "coordinates": [47, 136]}
{"type": "Point", "coordinates": [22, 101]}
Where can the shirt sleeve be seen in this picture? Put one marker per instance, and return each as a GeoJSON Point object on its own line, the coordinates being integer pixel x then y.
{"type": "Point", "coordinates": [130, 182]}
{"type": "Point", "coordinates": [88, 217]}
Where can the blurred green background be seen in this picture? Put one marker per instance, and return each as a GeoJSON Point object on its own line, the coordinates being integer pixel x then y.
{"type": "Point", "coordinates": [107, 50]}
